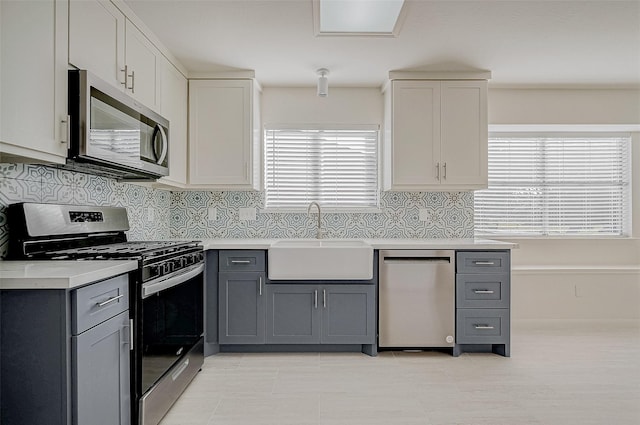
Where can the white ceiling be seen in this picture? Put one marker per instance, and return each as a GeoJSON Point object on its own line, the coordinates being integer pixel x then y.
{"type": "Point", "coordinates": [524, 43]}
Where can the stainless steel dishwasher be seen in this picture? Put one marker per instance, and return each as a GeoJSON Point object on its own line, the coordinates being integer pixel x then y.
{"type": "Point", "coordinates": [417, 299]}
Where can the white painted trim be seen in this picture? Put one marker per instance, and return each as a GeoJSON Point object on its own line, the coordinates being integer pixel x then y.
{"type": "Point", "coordinates": [561, 270]}
{"type": "Point", "coordinates": [562, 128]}
{"type": "Point", "coordinates": [239, 74]}
{"type": "Point", "coordinates": [471, 74]}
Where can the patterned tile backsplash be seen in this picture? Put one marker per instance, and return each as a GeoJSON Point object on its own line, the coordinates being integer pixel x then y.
{"type": "Point", "coordinates": [160, 214]}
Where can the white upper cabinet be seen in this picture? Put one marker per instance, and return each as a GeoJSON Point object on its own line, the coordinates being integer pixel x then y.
{"type": "Point", "coordinates": [435, 135]}
{"type": "Point", "coordinates": [103, 41]}
{"type": "Point", "coordinates": [224, 134]}
{"type": "Point", "coordinates": [142, 63]}
{"type": "Point", "coordinates": [33, 80]}
{"type": "Point", "coordinates": [96, 39]}
{"type": "Point", "coordinates": [464, 134]}
{"type": "Point", "coordinates": [173, 106]}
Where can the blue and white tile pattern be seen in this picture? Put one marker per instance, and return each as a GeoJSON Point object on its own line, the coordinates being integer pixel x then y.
{"type": "Point", "coordinates": [158, 214]}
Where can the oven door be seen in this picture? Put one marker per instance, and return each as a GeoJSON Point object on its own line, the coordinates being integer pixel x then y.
{"type": "Point", "coordinates": [170, 343]}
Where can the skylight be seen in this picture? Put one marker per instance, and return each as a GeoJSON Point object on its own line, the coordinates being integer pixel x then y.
{"type": "Point", "coordinates": [357, 17]}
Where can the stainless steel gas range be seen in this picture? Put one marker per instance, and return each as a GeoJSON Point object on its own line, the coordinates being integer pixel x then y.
{"type": "Point", "coordinates": [166, 305]}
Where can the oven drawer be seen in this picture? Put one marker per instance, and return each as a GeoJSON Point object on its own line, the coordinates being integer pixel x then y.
{"type": "Point", "coordinates": [93, 304]}
{"type": "Point", "coordinates": [482, 326]}
{"type": "Point", "coordinates": [482, 291]}
{"type": "Point", "coordinates": [482, 262]}
{"type": "Point", "coordinates": [242, 261]}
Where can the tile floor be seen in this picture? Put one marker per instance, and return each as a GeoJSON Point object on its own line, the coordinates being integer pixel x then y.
{"type": "Point", "coordinates": [558, 374]}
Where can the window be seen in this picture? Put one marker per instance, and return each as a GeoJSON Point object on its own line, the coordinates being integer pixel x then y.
{"type": "Point", "coordinates": [554, 186]}
{"type": "Point", "coordinates": [338, 168]}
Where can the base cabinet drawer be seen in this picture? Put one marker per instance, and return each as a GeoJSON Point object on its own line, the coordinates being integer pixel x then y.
{"type": "Point", "coordinates": [482, 291]}
{"type": "Point", "coordinates": [96, 303]}
{"type": "Point", "coordinates": [482, 326]}
{"type": "Point", "coordinates": [242, 261]}
{"type": "Point", "coordinates": [483, 262]}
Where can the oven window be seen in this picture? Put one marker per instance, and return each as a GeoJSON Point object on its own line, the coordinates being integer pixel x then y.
{"type": "Point", "coordinates": [172, 323]}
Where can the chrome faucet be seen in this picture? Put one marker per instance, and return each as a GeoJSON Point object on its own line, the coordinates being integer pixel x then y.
{"type": "Point", "coordinates": [319, 231]}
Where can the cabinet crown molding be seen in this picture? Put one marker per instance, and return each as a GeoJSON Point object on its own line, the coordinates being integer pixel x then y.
{"type": "Point", "coordinates": [479, 74]}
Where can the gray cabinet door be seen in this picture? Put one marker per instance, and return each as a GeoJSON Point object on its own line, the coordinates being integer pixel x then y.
{"type": "Point", "coordinates": [348, 314]}
{"type": "Point", "coordinates": [293, 314]}
{"type": "Point", "coordinates": [211, 297]}
{"type": "Point", "coordinates": [242, 308]}
{"type": "Point", "coordinates": [101, 379]}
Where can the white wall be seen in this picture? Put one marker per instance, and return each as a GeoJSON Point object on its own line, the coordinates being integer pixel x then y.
{"type": "Point", "coordinates": [564, 106]}
{"type": "Point", "coordinates": [588, 278]}
{"type": "Point", "coordinates": [303, 106]}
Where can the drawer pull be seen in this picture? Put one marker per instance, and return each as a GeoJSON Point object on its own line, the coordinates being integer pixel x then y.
{"type": "Point", "coordinates": [110, 300]}
{"type": "Point", "coordinates": [240, 262]}
{"type": "Point", "coordinates": [483, 327]}
{"type": "Point", "coordinates": [484, 263]}
{"type": "Point", "coordinates": [483, 291]}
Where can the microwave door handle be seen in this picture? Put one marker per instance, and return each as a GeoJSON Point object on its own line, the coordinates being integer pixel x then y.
{"type": "Point", "coordinates": [163, 137]}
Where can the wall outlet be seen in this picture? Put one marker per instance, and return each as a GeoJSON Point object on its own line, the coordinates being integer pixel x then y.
{"type": "Point", "coordinates": [150, 214]}
{"type": "Point", "coordinates": [212, 214]}
{"type": "Point", "coordinates": [423, 214]}
{"type": "Point", "coordinates": [247, 213]}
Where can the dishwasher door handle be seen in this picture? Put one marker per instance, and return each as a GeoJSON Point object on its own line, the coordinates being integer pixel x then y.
{"type": "Point", "coordinates": [424, 260]}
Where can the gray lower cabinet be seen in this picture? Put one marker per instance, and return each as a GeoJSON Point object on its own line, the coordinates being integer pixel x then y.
{"type": "Point", "coordinates": [483, 296]}
{"type": "Point", "coordinates": [241, 307]}
{"type": "Point", "coordinates": [211, 345]}
{"type": "Point", "coordinates": [293, 316]}
{"type": "Point", "coordinates": [241, 297]}
{"type": "Point", "coordinates": [65, 355]}
{"type": "Point", "coordinates": [320, 314]}
{"type": "Point", "coordinates": [101, 373]}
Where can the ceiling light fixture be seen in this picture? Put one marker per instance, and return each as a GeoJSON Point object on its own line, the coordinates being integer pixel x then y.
{"type": "Point", "coordinates": [323, 82]}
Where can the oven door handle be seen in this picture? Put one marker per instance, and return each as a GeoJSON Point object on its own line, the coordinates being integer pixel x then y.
{"type": "Point", "coordinates": [154, 287]}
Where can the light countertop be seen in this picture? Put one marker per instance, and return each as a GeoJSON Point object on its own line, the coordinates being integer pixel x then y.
{"type": "Point", "coordinates": [375, 243]}
{"type": "Point", "coordinates": [59, 274]}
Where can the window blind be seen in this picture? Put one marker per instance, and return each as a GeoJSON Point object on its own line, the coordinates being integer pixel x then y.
{"type": "Point", "coordinates": [548, 186]}
{"type": "Point", "coordinates": [335, 167]}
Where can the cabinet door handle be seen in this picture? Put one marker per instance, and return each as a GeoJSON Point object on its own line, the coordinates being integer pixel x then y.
{"type": "Point", "coordinates": [444, 171]}
{"type": "Point", "coordinates": [324, 298]}
{"type": "Point", "coordinates": [483, 327]}
{"type": "Point", "coordinates": [315, 299]}
{"type": "Point", "coordinates": [240, 262]}
{"type": "Point", "coordinates": [483, 291]}
{"type": "Point", "coordinates": [437, 171]}
{"type": "Point", "coordinates": [260, 285]}
{"type": "Point", "coordinates": [126, 75]}
{"type": "Point", "coordinates": [110, 300]}
{"type": "Point", "coordinates": [66, 134]}
{"type": "Point", "coordinates": [484, 263]}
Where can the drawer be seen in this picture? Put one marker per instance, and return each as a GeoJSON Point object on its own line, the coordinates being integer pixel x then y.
{"type": "Point", "coordinates": [482, 262]}
{"type": "Point", "coordinates": [482, 291]}
{"type": "Point", "coordinates": [482, 326]}
{"type": "Point", "coordinates": [93, 304]}
{"type": "Point", "coordinates": [242, 261]}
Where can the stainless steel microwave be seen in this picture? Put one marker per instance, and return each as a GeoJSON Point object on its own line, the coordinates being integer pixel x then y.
{"type": "Point", "coordinates": [113, 135]}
